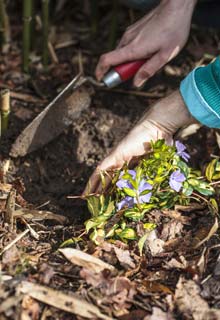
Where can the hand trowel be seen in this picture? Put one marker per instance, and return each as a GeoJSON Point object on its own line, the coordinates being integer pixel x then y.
{"type": "Point", "coordinates": [66, 108]}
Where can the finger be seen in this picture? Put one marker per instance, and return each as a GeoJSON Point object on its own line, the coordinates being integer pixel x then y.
{"type": "Point", "coordinates": [156, 62]}
{"type": "Point", "coordinates": [94, 184]}
{"type": "Point", "coordinates": [116, 57]}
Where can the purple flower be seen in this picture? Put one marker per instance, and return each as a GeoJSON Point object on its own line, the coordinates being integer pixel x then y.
{"type": "Point", "coordinates": [127, 201]}
{"type": "Point", "coordinates": [123, 183]}
{"type": "Point", "coordinates": [130, 201]}
{"type": "Point", "coordinates": [142, 187]}
{"type": "Point", "coordinates": [176, 180]}
{"type": "Point", "coordinates": [181, 151]}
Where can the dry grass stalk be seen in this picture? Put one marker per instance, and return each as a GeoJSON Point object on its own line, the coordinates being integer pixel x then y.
{"type": "Point", "coordinates": [5, 109]}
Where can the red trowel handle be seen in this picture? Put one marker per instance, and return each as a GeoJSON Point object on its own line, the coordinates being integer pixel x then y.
{"type": "Point", "coordinates": [129, 69]}
{"type": "Point", "coordinates": [122, 73]}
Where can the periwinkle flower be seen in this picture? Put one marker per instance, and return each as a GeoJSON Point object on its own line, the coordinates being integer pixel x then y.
{"type": "Point", "coordinates": [123, 183]}
{"type": "Point", "coordinates": [176, 180]}
{"type": "Point", "coordinates": [127, 201]}
{"type": "Point", "coordinates": [180, 147]}
{"type": "Point", "coordinates": [142, 187]}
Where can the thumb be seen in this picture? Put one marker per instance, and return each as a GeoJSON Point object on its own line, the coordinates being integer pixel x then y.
{"type": "Point", "coordinates": [114, 58]}
{"type": "Point", "coordinates": [149, 69]}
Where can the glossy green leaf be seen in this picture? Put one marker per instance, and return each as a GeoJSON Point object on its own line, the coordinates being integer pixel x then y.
{"type": "Point", "coordinates": [210, 169]}
{"type": "Point", "coordinates": [130, 192]}
{"type": "Point", "coordinates": [149, 226]}
{"type": "Point", "coordinates": [142, 241]}
{"type": "Point", "coordinates": [93, 203]}
{"type": "Point", "coordinates": [128, 234]}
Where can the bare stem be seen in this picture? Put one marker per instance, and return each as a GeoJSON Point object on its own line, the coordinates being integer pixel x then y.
{"type": "Point", "coordinates": [27, 17]}
{"type": "Point", "coordinates": [5, 109]}
{"type": "Point", "coordinates": [45, 25]}
{"type": "Point", "coordinates": [5, 34]}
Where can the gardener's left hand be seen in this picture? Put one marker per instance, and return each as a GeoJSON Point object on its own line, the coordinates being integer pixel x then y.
{"type": "Point", "coordinates": [160, 122]}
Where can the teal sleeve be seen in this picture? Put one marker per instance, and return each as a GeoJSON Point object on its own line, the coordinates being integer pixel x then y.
{"type": "Point", "coordinates": [201, 93]}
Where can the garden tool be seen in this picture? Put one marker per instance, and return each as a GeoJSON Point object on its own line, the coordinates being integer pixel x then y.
{"type": "Point", "coordinates": [67, 107]}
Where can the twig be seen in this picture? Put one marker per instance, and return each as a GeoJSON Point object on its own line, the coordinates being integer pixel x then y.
{"type": "Point", "coordinates": [10, 209]}
{"type": "Point", "coordinates": [65, 44]}
{"type": "Point", "coordinates": [80, 63]}
{"type": "Point", "coordinates": [27, 17]}
{"type": "Point", "coordinates": [151, 95]}
{"type": "Point", "coordinates": [52, 53]}
{"type": "Point", "coordinates": [19, 237]}
{"type": "Point", "coordinates": [51, 49]}
{"type": "Point", "coordinates": [5, 109]}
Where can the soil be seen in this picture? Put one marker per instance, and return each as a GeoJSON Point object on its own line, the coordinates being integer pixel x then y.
{"type": "Point", "coordinates": [49, 175]}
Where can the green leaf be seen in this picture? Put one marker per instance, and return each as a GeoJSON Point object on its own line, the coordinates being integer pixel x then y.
{"type": "Point", "coordinates": [149, 226]}
{"type": "Point", "coordinates": [213, 205]}
{"type": "Point", "coordinates": [110, 208]}
{"type": "Point", "coordinates": [204, 188]}
{"type": "Point", "coordinates": [130, 192]}
{"type": "Point", "coordinates": [70, 241]}
{"type": "Point", "coordinates": [193, 182]}
{"type": "Point", "coordinates": [139, 173]}
{"type": "Point", "coordinates": [128, 233]}
{"type": "Point", "coordinates": [94, 207]}
{"type": "Point", "coordinates": [142, 241]}
{"type": "Point", "coordinates": [183, 167]}
{"type": "Point", "coordinates": [89, 224]}
{"type": "Point", "coordinates": [210, 169]}
{"type": "Point", "coordinates": [187, 190]}
{"type": "Point", "coordinates": [100, 233]}
{"type": "Point", "coordinates": [134, 215]}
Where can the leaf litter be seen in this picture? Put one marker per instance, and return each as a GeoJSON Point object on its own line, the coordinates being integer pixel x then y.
{"type": "Point", "coordinates": [175, 277]}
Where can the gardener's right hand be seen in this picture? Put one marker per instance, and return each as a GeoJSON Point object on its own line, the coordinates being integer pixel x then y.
{"type": "Point", "coordinates": [160, 122]}
{"type": "Point", "coordinates": [157, 37]}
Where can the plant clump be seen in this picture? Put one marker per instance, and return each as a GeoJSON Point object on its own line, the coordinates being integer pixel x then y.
{"type": "Point", "coordinates": [161, 180]}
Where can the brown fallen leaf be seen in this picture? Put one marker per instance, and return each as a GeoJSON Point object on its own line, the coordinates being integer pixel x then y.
{"type": "Point", "coordinates": [155, 286]}
{"type": "Point", "coordinates": [171, 229]}
{"type": "Point", "coordinates": [191, 304]}
{"type": "Point", "coordinates": [67, 302]}
{"type": "Point", "coordinates": [154, 243]}
{"type": "Point", "coordinates": [30, 214]}
{"type": "Point", "coordinates": [85, 260]}
{"type": "Point", "coordinates": [207, 234]}
{"type": "Point", "coordinates": [116, 290]}
{"type": "Point", "coordinates": [123, 255]}
{"type": "Point", "coordinates": [30, 308]}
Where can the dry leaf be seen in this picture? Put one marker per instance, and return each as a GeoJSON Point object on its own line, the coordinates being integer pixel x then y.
{"type": "Point", "coordinates": [191, 304]}
{"type": "Point", "coordinates": [154, 244]}
{"type": "Point", "coordinates": [211, 232]}
{"type": "Point", "coordinates": [124, 258]}
{"type": "Point", "coordinates": [30, 214]}
{"type": "Point", "coordinates": [85, 260]}
{"type": "Point", "coordinates": [67, 302]}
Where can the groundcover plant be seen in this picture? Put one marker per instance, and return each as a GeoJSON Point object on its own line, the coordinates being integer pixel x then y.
{"type": "Point", "coordinates": [161, 180]}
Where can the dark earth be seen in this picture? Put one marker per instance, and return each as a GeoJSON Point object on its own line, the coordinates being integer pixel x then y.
{"type": "Point", "coordinates": [46, 177]}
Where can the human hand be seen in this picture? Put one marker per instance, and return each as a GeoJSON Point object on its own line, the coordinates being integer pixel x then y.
{"type": "Point", "coordinates": [160, 122]}
{"type": "Point", "coordinates": [157, 37]}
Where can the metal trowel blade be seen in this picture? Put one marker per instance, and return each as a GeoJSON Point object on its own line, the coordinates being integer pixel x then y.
{"type": "Point", "coordinates": [51, 122]}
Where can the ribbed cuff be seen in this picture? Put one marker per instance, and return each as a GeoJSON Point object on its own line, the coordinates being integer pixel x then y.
{"type": "Point", "coordinates": [196, 102]}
